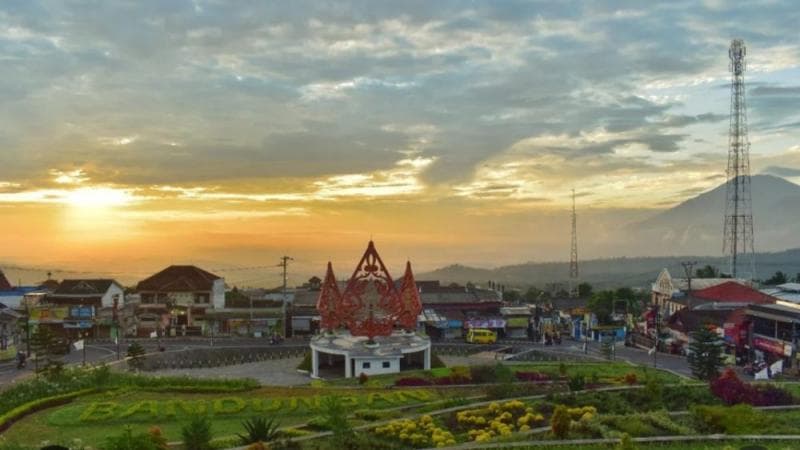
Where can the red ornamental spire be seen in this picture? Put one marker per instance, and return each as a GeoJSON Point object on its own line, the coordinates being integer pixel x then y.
{"type": "Point", "coordinates": [410, 304]}
{"type": "Point", "coordinates": [329, 302]}
{"type": "Point", "coordinates": [370, 299]}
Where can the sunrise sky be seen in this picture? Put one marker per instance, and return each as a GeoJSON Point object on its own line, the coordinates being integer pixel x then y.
{"type": "Point", "coordinates": [138, 134]}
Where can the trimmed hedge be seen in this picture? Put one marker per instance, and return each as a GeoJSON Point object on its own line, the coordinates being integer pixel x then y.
{"type": "Point", "coordinates": [8, 419]}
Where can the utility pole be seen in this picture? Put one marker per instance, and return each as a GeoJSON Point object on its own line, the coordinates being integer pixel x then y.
{"type": "Point", "coordinates": [655, 345]}
{"type": "Point", "coordinates": [688, 269]}
{"type": "Point", "coordinates": [573, 255]}
{"type": "Point", "coordinates": [285, 264]}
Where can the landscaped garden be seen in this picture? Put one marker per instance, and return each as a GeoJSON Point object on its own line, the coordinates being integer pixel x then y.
{"type": "Point", "coordinates": [443, 407]}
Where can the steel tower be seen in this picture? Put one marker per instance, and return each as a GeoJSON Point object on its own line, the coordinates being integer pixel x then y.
{"type": "Point", "coordinates": [738, 233]}
{"type": "Point", "coordinates": [573, 256]}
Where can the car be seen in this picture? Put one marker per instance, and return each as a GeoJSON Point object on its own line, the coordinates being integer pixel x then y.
{"type": "Point", "coordinates": [481, 336]}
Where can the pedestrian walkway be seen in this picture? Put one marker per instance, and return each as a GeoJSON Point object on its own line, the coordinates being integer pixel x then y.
{"type": "Point", "coordinates": [278, 372]}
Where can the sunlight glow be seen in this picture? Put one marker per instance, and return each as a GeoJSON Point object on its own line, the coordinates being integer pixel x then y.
{"type": "Point", "coordinates": [96, 197]}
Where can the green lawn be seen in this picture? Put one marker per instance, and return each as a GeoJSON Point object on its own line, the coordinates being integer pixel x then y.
{"type": "Point", "coordinates": [709, 445]}
{"type": "Point", "coordinates": [92, 418]}
{"type": "Point", "coordinates": [607, 372]}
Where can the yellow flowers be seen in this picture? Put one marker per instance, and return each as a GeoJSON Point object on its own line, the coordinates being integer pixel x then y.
{"type": "Point", "coordinates": [586, 412]}
{"type": "Point", "coordinates": [420, 433]}
{"type": "Point", "coordinates": [498, 420]}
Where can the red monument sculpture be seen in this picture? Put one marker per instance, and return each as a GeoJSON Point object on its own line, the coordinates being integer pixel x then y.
{"type": "Point", "coordinates": [371, 304]}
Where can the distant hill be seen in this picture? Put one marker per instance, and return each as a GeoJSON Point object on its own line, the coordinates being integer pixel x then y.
{"type": "Point", "coordinates": [605, 273]}
{"type": "Point", "coordinates": [695, 226]}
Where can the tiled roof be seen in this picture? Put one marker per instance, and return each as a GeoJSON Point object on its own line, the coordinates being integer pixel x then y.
{"type": "Point", "coordinates": [687, 321]}
{"type": "Point", "coordinates": [94, 287]}
{"type": "Point", "coordinates": [4, 284]}
{"type": "Point", "coordinates": [179, 279]}
{"type": "Point", "coordinates": [731, 291]}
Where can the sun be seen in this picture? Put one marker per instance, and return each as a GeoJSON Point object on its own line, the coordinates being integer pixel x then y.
{"type": "Point", "coordinates": [98, 197]}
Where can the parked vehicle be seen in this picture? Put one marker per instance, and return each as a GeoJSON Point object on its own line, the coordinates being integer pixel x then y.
{"type": "Point", "coordinates": [481, 336]}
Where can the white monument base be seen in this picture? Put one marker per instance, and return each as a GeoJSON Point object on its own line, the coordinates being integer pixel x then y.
{"type": "Point", "coordinates": [361, 357]}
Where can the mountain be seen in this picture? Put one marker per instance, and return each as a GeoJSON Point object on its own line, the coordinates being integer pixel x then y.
{"type": "Point", "coordinates": [695, 226]}
{"type": "Point", "coordinates": [607, 273]}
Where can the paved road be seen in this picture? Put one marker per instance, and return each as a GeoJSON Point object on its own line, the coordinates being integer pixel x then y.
{"type": "Point", "coordinates": [105, 351]}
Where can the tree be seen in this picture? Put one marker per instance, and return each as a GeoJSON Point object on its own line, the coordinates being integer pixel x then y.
{"type": "Point", "coordinates": [135, 356]}
{"type": "Point", "coordinates": [778, 278]}
{"type": "Point", "coordinates": [335, 413]}
{"type": "Point", "coordinates": [584, 290]}
{"type": "Point", "coordinates": [196, 433]}
{"type": "Point", "coordinates": [511, 296]}
{"type": "Point", "coordinates": [705, 354]}
{"type": "Point", "coordinates": [560, 422]}
{"type": "Point", "coordinates": [532, 295]}
{"type": "Point", "coordinates": [707, 271]}
{"type": "Point", "coordinates": [47, 348]}
{"type": "Point", "coordinates": [601, 304]}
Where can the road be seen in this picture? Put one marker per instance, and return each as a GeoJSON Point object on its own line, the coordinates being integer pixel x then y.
{"type": "Point", "coordinates": [106, 351]}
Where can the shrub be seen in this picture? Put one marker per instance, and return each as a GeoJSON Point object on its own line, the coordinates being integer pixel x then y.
{"type": "Point", "coordinates": [732, 390]}
{"type": "Point", "coordinates": [771, 395]}
{"type": "Point", "coordinates": [136, 356]}
{"type": "Point", "coordinates": [560, 422]}
{"type": "Point", "coordinates": [630, 378]}
{"type": "Point", "coordinates": [503, 374]}
{"type": "Point", "coordinates": [482, 374]}
{"type": "Point", "coordinates": [259, 429]}
{"type": "Point", "coordinates": [576, 383]}
{"type": "Point", "coordinates": [129, 441]}
{"type": "Point", "coordinates": [374, 414]}
{"type": "Point", "coordinates": [196, 433]}
{"type": "Point", "coordinates": [625, 443]}
{"type": "Point", "coordinates": [101, 375]}
{"type": "Point", "coordinates": [318, 423]}
{"type": "Point", "coordinates": [562, 369]}
{"type": "Point", "coordinates": [305, 364]}
{"type": "Point", "coordinates": [363, 378]}
{"type": "Point", "coordinates": [460, 371]}
{"type": "Point", "coordinates": [532, 376]}
{"type": "Point", "coordinates": [335, 414]}
{"type": "Point", "coordinates": [158, 439]}
{"type": "Point", "coordinates": [451, 380]}
{"type": "Point", "coordinates": [258, 446]}
{"type": "Point", "coordinates": [420, 433]}
{"type": "Point", "coordinates": [412, 381]}
{"type": "Point", "coordinates": [437, 362]}
{"type": "Point", "coordinates": [738, 419]}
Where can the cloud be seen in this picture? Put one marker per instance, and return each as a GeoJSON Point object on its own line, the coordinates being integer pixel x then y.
{"type": "Point", "coordinates": [782, 171]}
{"type": "Point", "coordinates": [212, 95]}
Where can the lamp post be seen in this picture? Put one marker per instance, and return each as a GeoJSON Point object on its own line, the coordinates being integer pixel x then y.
{"type": "Point", "coordinates": [655, 345]}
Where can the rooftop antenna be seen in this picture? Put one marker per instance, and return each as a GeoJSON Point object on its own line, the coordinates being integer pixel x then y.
{"type": "Point", "coordinates": [738, 232]}
{"type": "Point", "coordinates": [573, 256]}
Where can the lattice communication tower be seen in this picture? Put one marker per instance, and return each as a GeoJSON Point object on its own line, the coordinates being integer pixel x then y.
{"type": "Point", "coordinates": [738, 233]}
{"type": "Point", "coordinates": [573, 255]}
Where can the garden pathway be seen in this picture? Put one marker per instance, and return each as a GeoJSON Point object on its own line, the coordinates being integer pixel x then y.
{"type": "Point", "coordinates": [277, 372]}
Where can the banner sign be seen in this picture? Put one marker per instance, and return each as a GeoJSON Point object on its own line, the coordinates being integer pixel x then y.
{"type": "Point", "coordinates": [490, 323]}
{"type": "Point", "coordinates": [768, 345]}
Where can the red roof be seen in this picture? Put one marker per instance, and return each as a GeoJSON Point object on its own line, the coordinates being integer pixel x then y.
{"type": "Point", "coordinates": [179, 279]}
{"type": "Point", "coordinates": [4, 284]}
{"type": "Point", "coordinates": [733, 292]}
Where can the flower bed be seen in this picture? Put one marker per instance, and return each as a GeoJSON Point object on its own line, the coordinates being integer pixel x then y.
{"type": "Point", "coordinates": [732, 391]}
{"type": "Point", "coordinates": [417, 433]}
{"type": "Point", "coordinates": [532, 376]}
{"type": "Point", "coordinates": [498, 419]}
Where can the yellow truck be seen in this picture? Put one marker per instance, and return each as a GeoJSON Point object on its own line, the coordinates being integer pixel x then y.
{"type": "Point", "coordinates": [481, 336]}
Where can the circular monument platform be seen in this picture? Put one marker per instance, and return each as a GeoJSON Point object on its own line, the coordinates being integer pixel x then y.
{"type": "Point", "coordinates": [361, 356]}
